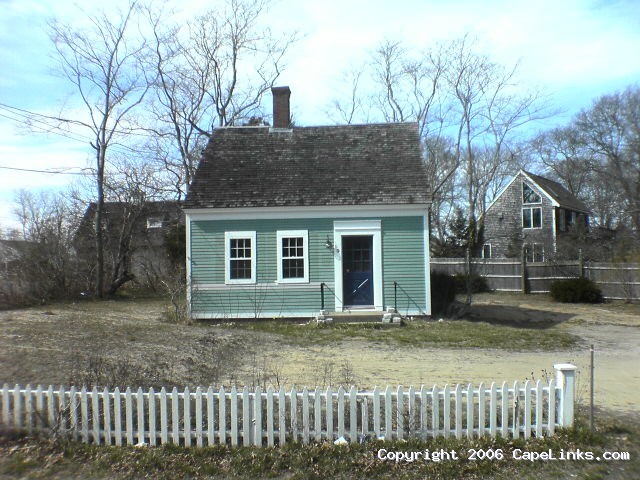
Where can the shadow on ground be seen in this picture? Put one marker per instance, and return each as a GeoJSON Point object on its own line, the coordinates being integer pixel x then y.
{"type": "Point", "coordinates": [516, 316]}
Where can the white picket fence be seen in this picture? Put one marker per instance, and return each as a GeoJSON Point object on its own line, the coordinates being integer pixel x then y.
{"type": "Point", "coordinates": [243, 417]}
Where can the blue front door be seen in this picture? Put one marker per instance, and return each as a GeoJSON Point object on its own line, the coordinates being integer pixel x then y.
{"type": "Point", "coordinates": [357, 270]}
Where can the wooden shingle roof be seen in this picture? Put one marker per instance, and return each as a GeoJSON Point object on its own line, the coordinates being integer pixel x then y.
{"type": "Point", "coordinates": [374, 164]}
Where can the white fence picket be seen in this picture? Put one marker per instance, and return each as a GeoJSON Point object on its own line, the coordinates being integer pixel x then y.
{"type": "Point", "coordinates": [5, 405]}
{"type": "Point", "coordinates": [515, 421]}
{"type": "Point", "coordinates": [222, 416]}
{"type": "Point", "coordinates": [233, 408]}
{"type": "Point", "coordinates": [175, 416]}
{"type": "Point", "coordinates": [317, 414]}
{"type": "Point", "coordinates": [329, 405]}
{"type": "Point", "coordinates": [551, 417]}
{"type": "Point", "coordinates": [305, 416]}
{"type": "Point", "coordinates": [63, 407]}
{"type": "Point", "coordinates": [435, 422]}
{"type": "Point", "coordinates": [504, 397]}
{"type": "Point", "coordinates": [400, 413]}
{"type": "Point", "coordinates": [211, 417]}
{"type": "Point", "coordinates": [128, 412]}
{"type": "Point", "coordinates": [482, 398]}
{"type": "Point", "coordinates": [95, 415]}
{"type": "Point", "coordinates": [140, 415]}
{"type": "Point", "coordinates": [411, 427]}
{"type": "Point", "coordinates": [153, 439]}
{"type": "Point", "coordinates": [470, 409]}
{"type": "Point", "coordinates": [28, 408]}
{"type": "Point", "coordinates": [376, 412]}
{"type": "Point", "coordinates": [353, 414]}
{"type": "Point", "coordinates": [446, 411]}
{"type": "Point", "coordinates": [51, 409]}
{"type": "Point", "coordinates": [539, 405]}
{"type": "Point", "coordinates": [246, 417]}
{"type": "Point", "coordinates": [117, 416]}
{"type": "Point", "coordinates": [270, 415]}
{"type": "Point", "coordinates": [388, 418]}
{"type": "Point", "coordinates": [423, 412]}
{"type": "Point", "coordinates": [106, 416]}
{"type": "Point", "coordinates": [340, 412]}
{"type": "Point", "coordinates": [257, 438]}
{"type": "Point", "coordinates": [526, 412]}
{"type": "Point", "coordinates": [39, 420]}
{"type": "Point", "coordinates": [84, 416]}
{"type": "Point", "coordinates": [73, 411]}
{"type": "Point", "coordinates": [164, 428]}
{"type": "Point", "coordinates": [294, 414]}
{"type": "Point", "coordinates": [282, 417]}
{"type": "Point", "coordinates": [365, 416]}
{"type": "Point", "coordinates": [493, 410]}
{"type": "Point", "coordinates": [198, 400]}
{"type": "Point", "coordinates": [186, 415]}
{"type": "Point", "coordinates": [458, 400]}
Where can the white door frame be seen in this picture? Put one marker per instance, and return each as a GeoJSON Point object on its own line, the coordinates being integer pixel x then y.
{"type": "Point", "coordinates": [373, 228]}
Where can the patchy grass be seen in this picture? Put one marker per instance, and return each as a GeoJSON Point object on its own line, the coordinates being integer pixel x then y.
{"type": "Point", "coordinates": [28, 457]}
{"type": "Point", "coordinates": [445, 334]}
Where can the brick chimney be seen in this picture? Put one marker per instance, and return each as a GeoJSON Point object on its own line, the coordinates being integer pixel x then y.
{"type": "Point", "coordinates": [281, 111]}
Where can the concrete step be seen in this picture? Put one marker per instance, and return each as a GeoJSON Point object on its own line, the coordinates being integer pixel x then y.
{"type": "Point", "coordinates": [359, 317]}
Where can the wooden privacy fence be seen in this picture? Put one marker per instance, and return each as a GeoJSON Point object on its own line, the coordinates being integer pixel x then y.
{"type": "Point", "coordinates": [243, 417]}
{"type": "Point", "coordinates": [617, 281]}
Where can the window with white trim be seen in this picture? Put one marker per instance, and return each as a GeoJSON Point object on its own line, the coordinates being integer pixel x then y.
{"type": "Point", "coordinates": [240, 257]}
{"type": "Point", "coordinates": [486, 250]}
{"type": "Point", "coordinates": [529, 195]}
{"type": "Point", "coordinates": [293, 256]}
{"type": "Point", "coordinates": [532, 217]}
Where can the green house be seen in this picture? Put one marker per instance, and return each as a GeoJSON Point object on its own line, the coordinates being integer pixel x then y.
{"type": "Point", "coordinates": [288, 221]}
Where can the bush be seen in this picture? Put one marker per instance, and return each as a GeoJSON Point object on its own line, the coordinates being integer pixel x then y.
{"type": "Point", "coordinates": [576, 290]}
{"type": "Point", "coordinates": [478, 284]}
{"type": "Point", "coordinates": [443, 291]}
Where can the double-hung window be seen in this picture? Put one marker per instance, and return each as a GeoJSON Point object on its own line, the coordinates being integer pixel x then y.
{"type": "Point", "coordinates": [293, 256]}
{"type": "Point", "coordinates": [240, 257]}
{"type": "Point", "coordinates": [531, 215]}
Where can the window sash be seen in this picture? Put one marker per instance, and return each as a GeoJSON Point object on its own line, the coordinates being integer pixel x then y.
{"type": "Point", "coordinates": [532, 217]}
{"type": "Point", "coordinates": [240, 257]}
{"type": "Point", "coordinates": [293, 256]}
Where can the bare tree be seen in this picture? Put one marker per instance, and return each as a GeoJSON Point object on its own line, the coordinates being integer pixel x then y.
{"type": "Point", "coordinates": [48, 268]}
{"type": "Point", "coordinates": [611, 131]}
{"type": "Point", "coordinates": [469, 112]}
{"type": "Point", "coordinates": [103, 63]}
{"type": "Point", "coordinates": [214, 76]}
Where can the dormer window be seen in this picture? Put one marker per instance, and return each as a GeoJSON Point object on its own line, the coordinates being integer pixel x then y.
{"type": "Point", "coordinates": [529, 195]}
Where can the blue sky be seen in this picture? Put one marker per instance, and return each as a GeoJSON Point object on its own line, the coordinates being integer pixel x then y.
{"type": "Point", "coordinates": [575, 50]}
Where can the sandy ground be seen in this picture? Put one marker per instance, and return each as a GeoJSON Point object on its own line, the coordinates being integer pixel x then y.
{"type": "Point", "coordinates": [38, 345]}
{"type": "Point", "coordinates": [614, 330]}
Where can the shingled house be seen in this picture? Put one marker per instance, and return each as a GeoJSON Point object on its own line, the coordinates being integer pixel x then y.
{"type": "Point", "coordinates": [135, 239]}
{"type": "Point", "coordinates": [277, 215]}
{"type": "Point", "coordinates": [531, 213]}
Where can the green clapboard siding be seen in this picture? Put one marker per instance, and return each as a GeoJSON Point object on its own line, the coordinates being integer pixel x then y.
{"type": "Point", "coordinates": [403, 262]}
